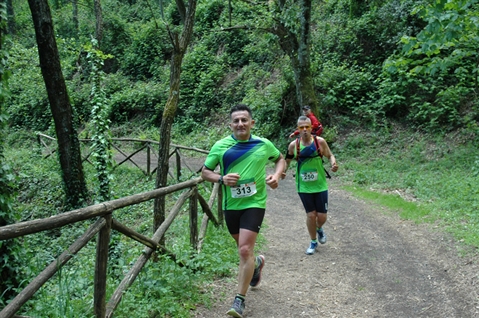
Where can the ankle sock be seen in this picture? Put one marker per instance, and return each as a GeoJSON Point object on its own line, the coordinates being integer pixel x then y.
{"type": "Point", "coordinates": [242, 297]}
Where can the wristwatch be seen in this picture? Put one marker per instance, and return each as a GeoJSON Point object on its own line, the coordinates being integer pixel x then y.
{"type": "Point", "coordinates": [220, 180]}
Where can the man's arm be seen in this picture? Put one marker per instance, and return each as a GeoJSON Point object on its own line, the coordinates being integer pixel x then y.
{"type": "Point", "coordinates": [294, 133]}
{"type": "Point", "coordinates": [229, 179]}
{"type": "Point", "coordinates": [289, 158]}
{"type": "Point", "coordinates": [209, 175]}
{"type": "Point", "coordinates": [273, 180]}
{"type": "Point", "coordinates": [327, 153]}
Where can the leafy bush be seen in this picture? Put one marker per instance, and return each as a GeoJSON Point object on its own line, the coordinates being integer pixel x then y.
{"type": "Point", "coordinates": [136, 100]}
{"type": "Point", "coordinates": [28, 103]}
{"type": "Point", "coordinates": [149, 51]}
{"type": "Point", "coordinates": [345, 89]}
{"type": "Point", "coordinates": [69, 293]}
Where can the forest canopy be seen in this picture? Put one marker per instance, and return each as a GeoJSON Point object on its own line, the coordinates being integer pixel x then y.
{"type": "Point", "coordinates": [371, 61]}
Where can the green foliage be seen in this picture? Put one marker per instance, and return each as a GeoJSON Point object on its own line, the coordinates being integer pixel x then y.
{"type": "Point", "coordinates": [101, 137]}
{"type": "Point", "coordinates": [142, 101]}
{"type": "Point", "coordinates": [150, 49]}
{"type": "Point", "coordinates": [432, 172]}
{"type": "Point", "coordinates": [346, 89]}
{"type": "Point", "coordinates": [200, 95]}
{"type": "Point", "coordinates": [450, 36]}
{"type": "Point", "coordinates": [160, 289]}
{"type": "Point", "coordinates": [440, 66]}
{"type": "Point", "coordinates": [208, 15]}
{"type": "Point", "coordinates": [9, 249]}
{"type": "Point", "coordinates": [28, 102]}
{"type": "Point", "coordinates": [265, 101]}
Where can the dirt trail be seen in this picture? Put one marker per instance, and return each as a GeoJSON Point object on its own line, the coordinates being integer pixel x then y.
{"type": "Point", "coordinates": [373, 265]}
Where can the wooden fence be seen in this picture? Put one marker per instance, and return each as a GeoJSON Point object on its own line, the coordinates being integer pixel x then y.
{"type": "Point", "coordinates": [103, 214]}
{"type": "Point", "coordinates": [137, 146]}
{"type": "Point", "coordinates": [103, 226]}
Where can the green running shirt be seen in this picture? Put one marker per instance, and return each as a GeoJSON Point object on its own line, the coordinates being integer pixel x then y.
{"type": "Point", "coordinates": [249, 159]}
{"type": "Point", "coordinates": [310, 175]}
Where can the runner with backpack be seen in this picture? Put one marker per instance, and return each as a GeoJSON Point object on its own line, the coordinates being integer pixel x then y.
{"type": "Point", "coordinates": [317, 128]}
{"type": "Point", "coordinates": [310, 177]}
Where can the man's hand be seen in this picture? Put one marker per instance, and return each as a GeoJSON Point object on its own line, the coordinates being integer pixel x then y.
{"type": "Point", "coordinates": [272, 181]}
{"type": "Point", "coordinates": [334, 167]}
{"type": "Point", "coordinates": [231, 179]}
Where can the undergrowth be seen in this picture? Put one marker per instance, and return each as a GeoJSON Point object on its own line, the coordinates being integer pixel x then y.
{"type": "Point", "coordinates": [424, 177]}
{"type": "Point", "coordinates": [162, 286]}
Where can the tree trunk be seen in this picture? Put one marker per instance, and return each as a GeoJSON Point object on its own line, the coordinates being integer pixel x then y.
{"type": "Point", "coordinates": [68, 144]}
{"type": "Point", "coordinates": [75, 16]}
{"type": "Point", "coordinates": [298, 50]}
{"type": "Point", "coordinates": [179, 50]}
{"type": "Point", "coordinates": [99, 22]}
{"type": "Point", "coordinates": [308, 95]}
{"type": "Point", "coordinates": [11, 26]}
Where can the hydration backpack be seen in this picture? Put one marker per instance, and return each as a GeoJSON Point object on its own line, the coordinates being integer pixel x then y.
{"type": "Point", "coordinates": [318, 149]}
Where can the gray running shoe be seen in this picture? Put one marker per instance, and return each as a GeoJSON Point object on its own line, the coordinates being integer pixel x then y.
{"type": "Point", "coordinates": [312, 248]}
{"type": "Point", "coordinates": [257, 271]}
{"type": "Point", "coordinates": [322, 238]}
{"type": "Point", "coordinates": [237, 309]}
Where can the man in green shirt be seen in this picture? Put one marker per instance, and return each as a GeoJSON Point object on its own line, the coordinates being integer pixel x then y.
{"type": "Point", "coordinates": [311, 179]}
{"type": "Point", "coordinates": [242, 158]}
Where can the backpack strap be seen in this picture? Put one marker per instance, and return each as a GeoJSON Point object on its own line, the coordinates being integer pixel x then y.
{"type": "Point", "coordinates": [318, 149]}
{"type": "Point", "coordinates": [297, 149]}
{"type": "Point", "coordinates": [316, 143]}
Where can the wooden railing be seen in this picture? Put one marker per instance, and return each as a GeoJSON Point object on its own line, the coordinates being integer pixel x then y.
{"type": "Point", "coordinates": [103, 213]}
{"type": "Point", "coordinates": [139, 145]}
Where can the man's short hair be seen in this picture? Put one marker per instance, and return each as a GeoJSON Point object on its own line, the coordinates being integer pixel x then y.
{"type": "Point", "coordinates": [303, 118]}
{"type": "Point", "coordinates": [241, 107]}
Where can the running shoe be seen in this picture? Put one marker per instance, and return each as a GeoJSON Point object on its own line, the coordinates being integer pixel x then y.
{"type": "Point", "coordinates": [311, 248]}
{"type": "Point", "coordinates": [237, 309]}
{"type": "Point", "coordinates": [322, 238]}
{"type": "Point", "coordinates": [257, 271]}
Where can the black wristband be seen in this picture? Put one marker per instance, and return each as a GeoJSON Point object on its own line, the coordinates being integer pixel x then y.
{"type": "Point", "coordinates": [220, 180]}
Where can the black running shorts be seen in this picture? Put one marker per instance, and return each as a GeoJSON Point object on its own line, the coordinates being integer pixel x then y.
{"type": "Point", "coordinates": [250, 219]}
{"type": "Point", "coordinates": [315, 201]}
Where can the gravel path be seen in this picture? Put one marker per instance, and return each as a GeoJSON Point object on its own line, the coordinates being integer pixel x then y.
{"type": "Point", "coordinates": [373, 265]}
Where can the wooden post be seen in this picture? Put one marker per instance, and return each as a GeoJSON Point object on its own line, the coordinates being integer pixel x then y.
{"type": "Point", "coordinates": [208, 215]}
{"type": "Point", "coordinates": [99, 301]}
{"type": "Point", "coordinates": [47, 273]}
{"type": "Point", "coordinates": [178, 165]}
{"type": "Point", "coordinates": [194, 218]}
{"type": "Point", "coordinates": [221, 217]}
{"type": "Point", "coordinates": [141, 261]}
{"type": "Point", "coordinates": [148, 151]}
